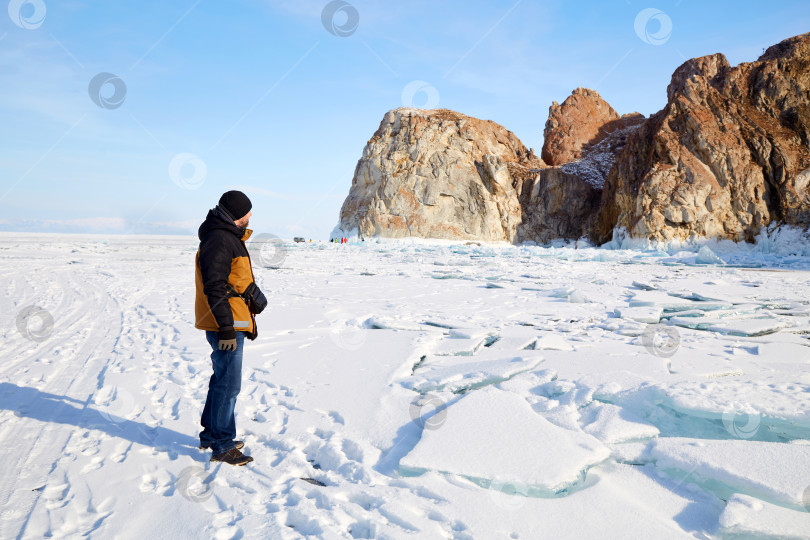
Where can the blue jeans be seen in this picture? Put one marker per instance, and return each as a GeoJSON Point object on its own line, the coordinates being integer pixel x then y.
{"type": "Point", "coordinates": [218, 421]}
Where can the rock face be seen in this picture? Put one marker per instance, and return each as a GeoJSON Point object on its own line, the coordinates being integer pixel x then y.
{"type": "Point", "coordinates": [728, 154]}
{"type": "Point", "coordinates": [564, 201]}
{"type": "Point", "coordinates": [581, 121]}
{"type": "Point", "coordinates": [438, 174]}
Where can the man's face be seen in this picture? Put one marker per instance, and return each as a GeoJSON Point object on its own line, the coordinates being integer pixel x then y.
{"type": "Point", "coordinates": [245, 221]}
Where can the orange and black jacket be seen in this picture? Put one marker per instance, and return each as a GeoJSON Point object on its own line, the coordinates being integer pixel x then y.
{"type": "Point", "coordinates": [223, 260]}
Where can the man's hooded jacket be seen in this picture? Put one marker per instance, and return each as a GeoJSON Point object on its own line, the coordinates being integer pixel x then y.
{"type": "Point", "coordinates": [223, 260]}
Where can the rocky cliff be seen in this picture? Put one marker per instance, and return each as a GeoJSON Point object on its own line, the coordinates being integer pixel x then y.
{"type": "Point", "coordinates": [583, 138]}
{"type": "Point", "coordinates": [438, 174]}
{"type": "Point", "coordinates": [728, 154]}
{"type": "Point", "coordinates": [582, 121]}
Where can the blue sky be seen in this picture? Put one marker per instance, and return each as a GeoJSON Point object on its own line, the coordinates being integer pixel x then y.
{"type": "Point", "coordinates": [259, 95]}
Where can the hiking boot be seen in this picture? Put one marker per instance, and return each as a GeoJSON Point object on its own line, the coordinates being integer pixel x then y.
{"type": "Point", "coordinates": [232, 457]}
{"type": "Point", "coordinates": [239, 445]}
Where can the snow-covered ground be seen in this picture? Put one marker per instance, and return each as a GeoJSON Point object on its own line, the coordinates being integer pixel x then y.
{"type": "Point", "coordinates": [436, 390]}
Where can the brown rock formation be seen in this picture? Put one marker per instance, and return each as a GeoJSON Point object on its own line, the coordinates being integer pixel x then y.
{"type": "Point", "coordinates": [727, 155]}
{"type": "Point", "coordinates": [583, 137]}
{"type": "Point", "coordinates": [438, 174]}
{"type": "Point", "coordinates": [583, 120]}
{"type": "Point", "coordinates": [564, 201]}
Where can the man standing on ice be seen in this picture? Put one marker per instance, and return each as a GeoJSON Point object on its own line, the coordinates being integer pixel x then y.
{"type": "Point", "coordinates": [224, 281]}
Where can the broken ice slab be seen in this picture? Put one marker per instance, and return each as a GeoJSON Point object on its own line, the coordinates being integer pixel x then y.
{"type": "Point", "coordinates": [645, 314]}
{"type": "Point", "coordinates": [645, 286]}
{"type": "Point", "coordinates": [668, 302]}
{"type": "Point", "coordinates": [749, 327]}
{"type": "Point", "coordinates": [514, 338]}
{"type": "Point", "coordinates": [523, 383]}
{"type": "Point", "coordinates": [735, 327]}
{"type": "Point", "coordinates": [612, 424]}
{"type": "Point", "coordinates": [623, 327]}
{"type": "Point", "coordinates": [443, 322]}
{"type": "Point", "coordinates": [685, 313]}
{"type": "Point", "coordinates": [707, 256]}
{"type": "Point", "coordinates": [509, 286]}
{"type": "Point", "coordinates": [561, 292]}
{"type": "Point", "coordinates": [634, 453]}
{"type": "Point", "coordinates": [389, 323]}
{"type": "Point", "coordinates": [464, 341]}
{"type": "Point", "coordinates": [747, 517]}
{"type": "Point", "coordinates": [456, 374]}
{"type": "Point", "coordinates": [552, 341]}
{"type": "Point", "coordinates": [470, 332]}
{"type": "Point", "coordinates": [767, 470]}
{"type": "Point", "coordinates": [459, 346]}
{"type": "Point", "coordinates": [577, 297]}
{"type": "Point", "coordinates": [451, 275]}
{"type": "Point", "coordinates": [793, 309]}
{"type": "Point", "coordinates": [501, 437]}
{"type": "Point", "coordinates": [781, 408]}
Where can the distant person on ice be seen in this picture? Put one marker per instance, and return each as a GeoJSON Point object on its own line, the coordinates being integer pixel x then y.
{"type": "Point", "coordinates": [225, 306]}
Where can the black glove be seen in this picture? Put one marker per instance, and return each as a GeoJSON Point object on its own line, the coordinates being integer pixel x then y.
{"type": "Point", "coordinates": [227, 338]}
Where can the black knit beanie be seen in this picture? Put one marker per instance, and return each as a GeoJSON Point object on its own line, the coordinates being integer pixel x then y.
{"type": "Point", "coordinates": [235, 203]}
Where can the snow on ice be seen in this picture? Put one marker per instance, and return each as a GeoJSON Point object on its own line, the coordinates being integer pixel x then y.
{"type": "Point", "coordinates": [413, 389]}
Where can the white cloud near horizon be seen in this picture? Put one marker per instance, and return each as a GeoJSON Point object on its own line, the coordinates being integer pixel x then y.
{"type": "Point", "coordinates": [100, 225]}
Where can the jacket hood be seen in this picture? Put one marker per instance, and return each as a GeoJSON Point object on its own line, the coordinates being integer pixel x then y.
{"type": "Point", "coordinates": [218, 218]}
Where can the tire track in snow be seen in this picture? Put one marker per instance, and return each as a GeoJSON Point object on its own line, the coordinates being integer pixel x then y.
{"type": "Point", "coordinates": [82, 302]}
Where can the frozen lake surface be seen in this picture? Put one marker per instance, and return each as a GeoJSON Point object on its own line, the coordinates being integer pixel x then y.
{"type": "Point", "coordinates": [424, 389]}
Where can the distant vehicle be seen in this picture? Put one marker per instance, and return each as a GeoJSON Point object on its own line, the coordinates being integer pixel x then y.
{"type": "Point", "coordinates": [298, 239]}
